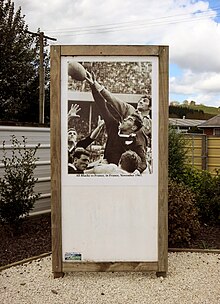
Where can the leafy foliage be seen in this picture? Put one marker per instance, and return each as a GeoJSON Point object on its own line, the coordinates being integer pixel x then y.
{"type": "Point", "coordinates": [204, 186]}
{"type": "Point", "coordinates": [183, 214]}
{"type": "Point", "coordinates": [207, 190]}
{"type": "Point", "coordinates": [216, 199]}
{"type": "Point", "coordinates": [19, 80]}
{"type": "Point", "coordinates": [17, 185]}
{"type": "Point", "coordinates": [177, 153]}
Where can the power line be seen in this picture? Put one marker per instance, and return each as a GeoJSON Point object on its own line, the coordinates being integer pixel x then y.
{"type": "Point", "coordinates": [131, 27]}
{"type": "Point", "coordinates": [130, 22]}
{"type": "Point", "coordinates": [136, 24]}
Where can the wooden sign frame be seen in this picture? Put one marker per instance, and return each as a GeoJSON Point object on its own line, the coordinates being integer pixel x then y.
{"type": "Point", "coordinates": [57, 52]}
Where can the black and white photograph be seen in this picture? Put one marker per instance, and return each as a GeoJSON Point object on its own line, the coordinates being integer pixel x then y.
{"type": "Point", "coordinates": [109, 118]}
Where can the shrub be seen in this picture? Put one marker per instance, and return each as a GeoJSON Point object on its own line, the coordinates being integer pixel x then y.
{"type": "Point", "coordinates": [17, 185]}
{"type": "Point", "coordinates": [207, 191]}
{"type": "Point", "coordinates": [216, 199]}
{"type": "Point", "coordinates": [183, 221]}
{"type": "Point", "coordinates": [177, 153]}
{"type": "Point", "coordinates": [205, 186]}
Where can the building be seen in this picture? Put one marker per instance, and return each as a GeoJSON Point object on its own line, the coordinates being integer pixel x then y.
{"type": "Point", "coordinates": [211, 126]}
{"type": "Point", "coordinates": [184, 125]}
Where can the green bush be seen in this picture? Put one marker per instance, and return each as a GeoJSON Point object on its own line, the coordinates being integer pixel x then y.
{"type": "Point", "coordinates": [17, 195]}
{"type": "Point", "coordinates": [207, 191]}
{"type": "Point", "coordinates": [216, 199]}
{"type": "Point", "coordinates": [205, 186]}
{"type": "Point", "coordinates": [183, 220]}
{"type": "Point", "coordinates": [177, 153]}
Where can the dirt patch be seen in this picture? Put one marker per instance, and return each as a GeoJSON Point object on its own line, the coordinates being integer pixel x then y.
{"type": "Point", "coordinates": [35, 239]}
{"type": "Point", "coordinates": [207, 238]}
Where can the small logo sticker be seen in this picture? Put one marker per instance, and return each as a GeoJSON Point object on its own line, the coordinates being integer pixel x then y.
{"type": "Point", "coordinates": [73, 256]}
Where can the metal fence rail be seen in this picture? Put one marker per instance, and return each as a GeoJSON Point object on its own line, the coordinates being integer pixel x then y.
{"type": "Point", "coordinates": [34, 136]}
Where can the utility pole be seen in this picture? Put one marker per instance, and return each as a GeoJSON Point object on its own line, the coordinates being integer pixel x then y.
{"type": "Point", "coordinates": [41, 74]}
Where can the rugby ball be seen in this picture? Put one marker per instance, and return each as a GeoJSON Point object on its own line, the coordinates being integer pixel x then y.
{"type": "Point", "coordinates": [76, 71]}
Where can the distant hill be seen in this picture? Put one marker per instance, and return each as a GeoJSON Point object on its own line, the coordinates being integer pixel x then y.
{"type": "Point", "coordinates": [193, 111]}
{"type": "Point", "coordinates": [209, 110]}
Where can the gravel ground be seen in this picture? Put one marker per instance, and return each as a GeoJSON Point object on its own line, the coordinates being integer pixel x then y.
{"type": "Point", "coordinates": [192, 278]}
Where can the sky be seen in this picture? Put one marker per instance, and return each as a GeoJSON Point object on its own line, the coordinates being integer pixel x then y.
{"type": "Point", "coordinates": [190, 28]}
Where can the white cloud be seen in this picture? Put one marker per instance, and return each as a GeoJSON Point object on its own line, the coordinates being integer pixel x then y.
{"type": "Point", "coordinates": [193, 37]}
{"type": "Point", "coordinates": [196, 46]}
{"type": "Point", "coordinates": [203, 88]}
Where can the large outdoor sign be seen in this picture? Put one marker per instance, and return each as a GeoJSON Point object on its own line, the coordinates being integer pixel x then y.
{"type": "Point", "coordinates": [109, 120]}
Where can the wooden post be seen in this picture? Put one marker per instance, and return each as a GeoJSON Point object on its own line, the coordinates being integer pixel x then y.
{"type": "Point", "coordinates": [41, 80]}
{"type": "Point", "coordinates": [163, 167]}
{"type": "Point", "coordinates": [204, 152]}
{"type": "Point", "coordinates": [55, 144]}
{"type": "Point", "coordinates": [41, 74]}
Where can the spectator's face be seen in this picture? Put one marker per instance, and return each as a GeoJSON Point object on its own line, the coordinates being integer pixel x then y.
{"type": "Point", "coordinates": [127, 126]}
{"type": "Point", "coordinates": [82, 162]}
{"type": "Point", "coordinates": [143, 104]}
{"type": "Point", "coordinates": [72, 136]}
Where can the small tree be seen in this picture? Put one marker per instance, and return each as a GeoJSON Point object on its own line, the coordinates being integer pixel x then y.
{"type": "Point", "coordinates": [19, 67]}
{"type": "Point", "coordinates": [17, 196]}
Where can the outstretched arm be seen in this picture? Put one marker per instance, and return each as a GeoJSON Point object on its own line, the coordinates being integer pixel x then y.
{"type": "Point", "coordinates": [95, 133]}
{"type": "Point", "coordinates": [99, 99]}
{"type": "Point", "coordinates": [122, 108]}
{"type": "Point", "coordinates": [85, 142]}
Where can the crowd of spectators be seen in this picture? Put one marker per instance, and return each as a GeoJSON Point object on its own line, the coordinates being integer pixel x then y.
{"type": "Point", "coordinates": [118, 77]}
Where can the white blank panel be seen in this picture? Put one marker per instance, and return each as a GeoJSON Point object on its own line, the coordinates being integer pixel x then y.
{"type": "Point", "coordinates": [110, 223]}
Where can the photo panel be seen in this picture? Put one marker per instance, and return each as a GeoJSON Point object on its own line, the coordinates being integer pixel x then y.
{"type": "Point", "coordinates": [109, 160]}
{"type": "Point", "coordinates": [97, 119]}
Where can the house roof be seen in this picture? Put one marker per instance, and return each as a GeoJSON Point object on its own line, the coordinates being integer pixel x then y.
{"type": "Point", "coordinates": [211, 123]}
{"type": "Point", "coordinates": [185, 122]}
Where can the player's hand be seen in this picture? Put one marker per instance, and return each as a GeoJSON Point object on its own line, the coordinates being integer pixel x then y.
{"type": "Point", "coordinates": [101, 122]}
{"type": "Point", "coordinates": [75, 108]}
{"type": "Point", "coordinates": [90, 77]}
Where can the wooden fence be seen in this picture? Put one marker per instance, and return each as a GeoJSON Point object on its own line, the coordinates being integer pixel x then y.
{"type": "Point", "coordinates": [203, 151]}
